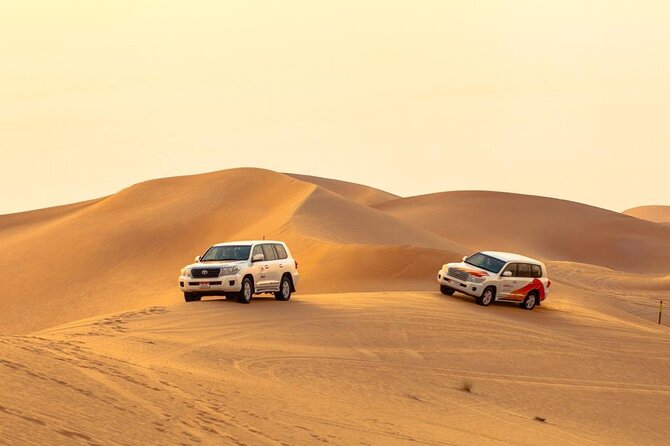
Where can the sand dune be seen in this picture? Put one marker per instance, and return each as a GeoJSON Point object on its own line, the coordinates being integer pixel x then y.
{"type": "Point", "coordinates": [657, 214]}
{"type": "Point", "coordinates": [546, 228]}
{"type": "Point", "coordinates": [126, 249]}
{"type": "Point", "coordinates": [116, 357]}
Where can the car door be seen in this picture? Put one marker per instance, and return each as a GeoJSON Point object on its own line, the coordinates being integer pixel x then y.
{"type": "Point", "coordinates": [507, 284]}
{"type": "Point", "coordinates": [260, 269]}
{"type": "Point", "coordinates": [522, 284]}
{"type": "Point", "coordinates": [282, 259]}
{"type": "Point", "coordinates": [272, 270]}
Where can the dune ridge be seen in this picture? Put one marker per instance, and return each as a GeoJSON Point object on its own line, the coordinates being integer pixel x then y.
{"type": "Point", "coordinates": [365, 195]}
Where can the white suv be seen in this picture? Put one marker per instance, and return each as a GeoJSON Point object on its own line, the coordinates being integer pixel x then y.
{"type": "Point", "coordinates": [240, 270]}
{"type": "Point", "coordinates": [491, 276]}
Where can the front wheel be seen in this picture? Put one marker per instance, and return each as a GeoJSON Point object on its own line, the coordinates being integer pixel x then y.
{"type": "Point", "coordinates": [284, 292]}
{"type": "Point", "coordinates": [191, 297]}
{"type": "Point", "coordinates": [529, 302]}
{"type": "Point", "coordinates": [447, 291]}
{"type": "Point", "coordinates": [487, 297]}
{"type": "Point", "coordinates": [246, 292]}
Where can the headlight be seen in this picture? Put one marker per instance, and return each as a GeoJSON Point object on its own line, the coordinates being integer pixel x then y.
{"type": "Point", "coordinates": [186, 272]}
{"type": "Point", "coordinates": [475, 279]}
{"type": "Point", "coordinates": [229, 270]}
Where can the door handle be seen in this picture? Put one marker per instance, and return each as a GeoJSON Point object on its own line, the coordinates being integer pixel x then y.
{"type": "Point", "coordinates": [281, 266]}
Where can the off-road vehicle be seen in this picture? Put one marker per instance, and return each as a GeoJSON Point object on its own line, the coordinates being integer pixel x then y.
{"type": "Point", "coordinates": [491, 276]}
{"type": "Point", "coordinates": [240, 270]}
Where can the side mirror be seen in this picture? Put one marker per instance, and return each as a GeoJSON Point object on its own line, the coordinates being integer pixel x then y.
{"type": "Point", "coordinates": [258, 258]}
{"type": "Point", "coordinates": [507, 274]}
{"type": "Point", "coordinates": [197, 258]}
{"type": "Point", "coordinates": [465, 258]}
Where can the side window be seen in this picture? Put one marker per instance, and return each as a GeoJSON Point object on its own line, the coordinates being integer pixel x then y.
{"type": "Point", "coordinates": [511, 267]}
{"type": "Point", "coordinates": [523, 270]}
{"type": "Point", "coordinates": [257, 250]}
{"type": "Point", "coordinates": [281, 252]}
{"type": "Point", "coordinates": [269, 252]}
{"type": "Point", "coordinates": [536, 270]}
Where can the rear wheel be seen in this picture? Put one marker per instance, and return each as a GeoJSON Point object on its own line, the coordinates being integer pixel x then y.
{"type": "Point", "coordinates": [447, 291]}
{"type": "Point", "coordinates": [191, 297]}
{"type": "Point", "coordinates": [246, 292]}
{"type": "Point", "coordinates": [487, 297]}
{"type": "Point", "coordinates": [530, 301]}
{"type": "Point", "coordinates": [284, 292]}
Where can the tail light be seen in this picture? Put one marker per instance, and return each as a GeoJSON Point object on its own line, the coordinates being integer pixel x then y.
{"type": "Point", "coordinates": [548, 283]}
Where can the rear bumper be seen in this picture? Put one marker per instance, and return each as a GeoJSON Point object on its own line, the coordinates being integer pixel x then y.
{"type": "Point", "coordinates": [471, 289]}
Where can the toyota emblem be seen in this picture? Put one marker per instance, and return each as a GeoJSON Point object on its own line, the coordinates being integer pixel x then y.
{"type": "Point", "coordinates": [204, 272]}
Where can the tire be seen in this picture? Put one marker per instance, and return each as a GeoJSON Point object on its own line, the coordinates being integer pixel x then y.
{"type": "Point", "coordinates": [247, 291]}
{"type": "Point", "coordinates": [487, 297]}
{"type": "Point", "coordinates": [191, 297]}
{"type": "Point", "coordinates": [447, 291]}
{"type": "Point", "coordinates": [530, 301]}
{"type": "Point", "coordinates": [284, 292]}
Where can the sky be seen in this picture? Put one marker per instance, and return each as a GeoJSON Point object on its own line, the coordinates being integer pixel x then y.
{"type": "Point", "coordinates": [567, 99]}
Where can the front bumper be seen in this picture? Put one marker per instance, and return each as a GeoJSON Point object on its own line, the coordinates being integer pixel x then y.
{"type": "Point", "coordinates": [223, 284]}
{"type": "Point", "coordinates": [469, 288]}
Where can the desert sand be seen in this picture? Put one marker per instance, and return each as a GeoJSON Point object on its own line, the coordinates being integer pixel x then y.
{"type": "Point", "coordinates": [99, 348]}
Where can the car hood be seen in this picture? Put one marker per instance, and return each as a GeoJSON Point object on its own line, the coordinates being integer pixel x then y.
{"type": "Point", "coordinates": [470, 269]}
{"type": "Point", "coordinates": [216, 264]}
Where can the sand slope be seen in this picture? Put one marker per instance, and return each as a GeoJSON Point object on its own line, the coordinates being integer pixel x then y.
{"type": "Point", "coordinates": [125, 250]}
{"type": "Point", "coordinates": [371, 368]}
{"type": "Point", "coordinates": [657, 214]}
{"type": "Point", "coordinates": [546, 228]}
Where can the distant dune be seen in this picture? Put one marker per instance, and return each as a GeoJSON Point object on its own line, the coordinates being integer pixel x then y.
{"type": "Point", "coordinates": [657, 214]}
{"type": "Point", "coordinates": [546, 228]}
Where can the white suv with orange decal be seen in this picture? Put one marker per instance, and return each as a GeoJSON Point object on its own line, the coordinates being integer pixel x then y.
{"type": "Point", "coordinates": [240, 270]}
{"type": "Point", "coordinates": [491, 276]}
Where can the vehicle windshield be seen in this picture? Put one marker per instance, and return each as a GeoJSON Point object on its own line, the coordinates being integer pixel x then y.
{"type": "Point", "coordinates": [227, 252]}
{"type": "Point", "coordinates": [483, 261]}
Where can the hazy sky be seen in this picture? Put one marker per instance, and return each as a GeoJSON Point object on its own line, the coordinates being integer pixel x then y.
{"type": "Point", "coordinates": [568, 99]}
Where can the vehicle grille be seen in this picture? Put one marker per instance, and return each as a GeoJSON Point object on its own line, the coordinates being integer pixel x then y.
{"type": "Point", "coordinates": [199, 273]}
{"type": "Point", "coordinates": [458, 274]}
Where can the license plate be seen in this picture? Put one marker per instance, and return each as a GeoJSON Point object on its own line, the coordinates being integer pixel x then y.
{"type": "Point", "coordinates": [204, 284]}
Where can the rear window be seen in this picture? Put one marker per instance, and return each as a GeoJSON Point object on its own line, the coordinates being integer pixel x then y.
{"type": "Point", "coordinates": [536, 270]}
{"type": "Point", "coordinates": [269, 252]}
{"type": "Point", "coordinates": [281, 252]}
{"type": "Point", "coordinates": [523, 270]}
